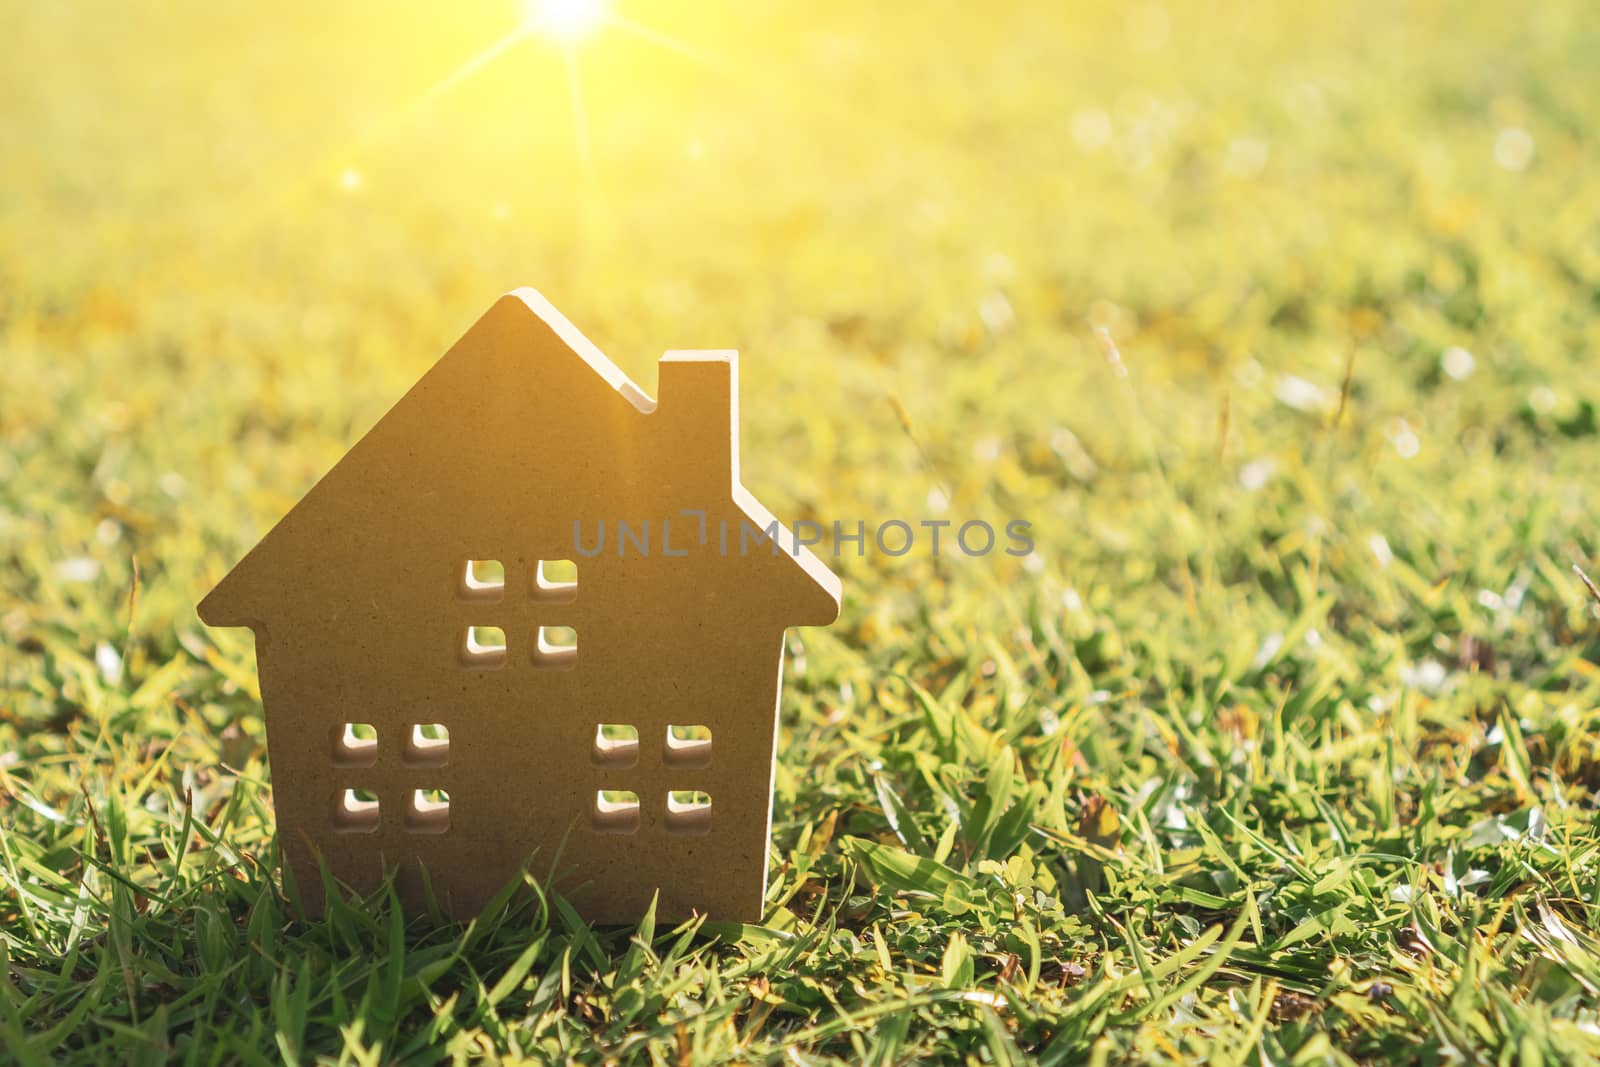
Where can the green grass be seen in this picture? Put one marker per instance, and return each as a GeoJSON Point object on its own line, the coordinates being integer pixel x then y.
{"type": "Point", "coordinates": [1283, 748]}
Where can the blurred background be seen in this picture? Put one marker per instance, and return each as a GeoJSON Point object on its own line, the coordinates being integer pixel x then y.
{"type": "Point", "coordinates": [1209, 293]}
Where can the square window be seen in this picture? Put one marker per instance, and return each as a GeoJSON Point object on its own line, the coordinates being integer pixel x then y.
{"type": "Point", "coordinates": [355, 811]}
{"type": "Point", "coordinates": [687, 747]}
{"type": "Point", "coordinates": [555, 648]}
{"type": "Point", "coordinates": [484, 646]}
{"type": "Point", "coordinates": [482, 579]}
{"type": "Point", "coordinates": [555, 581]}
{"type": "Point", "coordinates": [616, 811]}
{"type": "Point", "coordinates": [428, 745]}
{"type": "Point", "coordinates": [355, 744]}
{"type": "Point", "coordinates": [616, 745]}
{"type": "Point", "coordinates": [428, 812]}
{"type": "Point", "coordinates": [688, 812]}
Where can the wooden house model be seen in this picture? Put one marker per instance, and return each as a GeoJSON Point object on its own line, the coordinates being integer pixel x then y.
{"type": "Point", "coordinates": [458, 684]}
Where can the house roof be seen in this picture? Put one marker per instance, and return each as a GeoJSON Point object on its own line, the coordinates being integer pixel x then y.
{"type": "Point", "coordinates": [519, 342]}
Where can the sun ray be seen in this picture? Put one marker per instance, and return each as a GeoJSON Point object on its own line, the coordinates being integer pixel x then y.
{"type": "Point", "coordinates": [472, 66]}
{"type": "Point", "coordinates": [580, 118]}
{"type": "Point", "coordinates": [565, 22]}
{"type": "Point", "coordinates": [270, 197]}
{"type": "Point", "coordinates": [662, 39]}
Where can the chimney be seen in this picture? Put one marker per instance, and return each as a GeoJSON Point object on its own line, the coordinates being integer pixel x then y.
{"type": "Point", "coordinates": [699, 404]}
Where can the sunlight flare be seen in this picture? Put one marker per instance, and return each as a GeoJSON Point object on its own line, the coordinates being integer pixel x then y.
{"type": "Point", "coordinates": [568, 21]}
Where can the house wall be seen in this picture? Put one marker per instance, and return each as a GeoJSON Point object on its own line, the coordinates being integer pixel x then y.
{"type": "Point", "coordinates": [361, 617]}
{"type": "Point", "coordinates": [522, 772]}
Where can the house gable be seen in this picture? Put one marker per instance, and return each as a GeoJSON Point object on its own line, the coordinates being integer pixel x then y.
{"type": "Point", "coordinates": [524, 390]}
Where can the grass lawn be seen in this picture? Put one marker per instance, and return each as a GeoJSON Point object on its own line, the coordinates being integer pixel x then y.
{"type": "Point", "coordinates": [1279, 325]}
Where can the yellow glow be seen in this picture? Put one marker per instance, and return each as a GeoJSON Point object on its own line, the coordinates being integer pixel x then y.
{"type": "Point", "coordinates": [569, 21]}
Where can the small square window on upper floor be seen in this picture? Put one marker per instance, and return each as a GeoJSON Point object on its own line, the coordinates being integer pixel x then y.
{"type": "Point", "coordinates": [555, 648]}
{"type": "Point", "coordinates": [483, 646]}
{"type": "Point", "coordinates": [555, 581]}
{"type": "Point", "coordinates": [482, 579]}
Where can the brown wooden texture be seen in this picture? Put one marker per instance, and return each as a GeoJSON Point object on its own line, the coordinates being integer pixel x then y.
{"type": "Point", "coordinates": [362, 604]}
